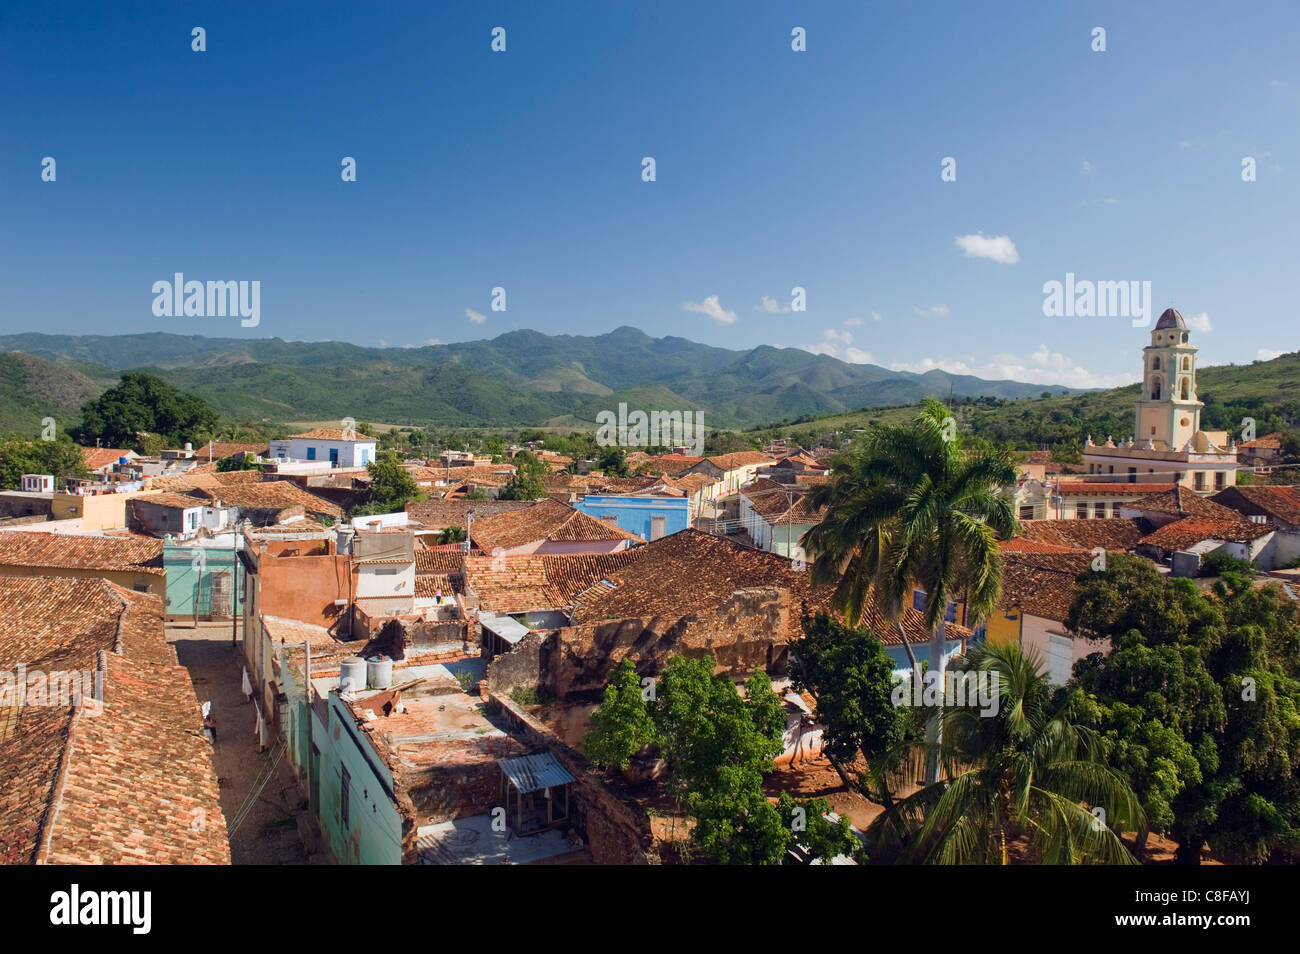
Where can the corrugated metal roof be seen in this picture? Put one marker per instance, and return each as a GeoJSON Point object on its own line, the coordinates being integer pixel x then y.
{"type": "Point", "coordinates": [528, 773]}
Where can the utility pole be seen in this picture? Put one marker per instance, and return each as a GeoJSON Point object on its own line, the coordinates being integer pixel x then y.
{"type": "Point", "coordinates": [234, 594]}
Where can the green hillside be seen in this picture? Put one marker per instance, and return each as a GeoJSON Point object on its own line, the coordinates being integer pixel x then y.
{"type": "Point", "coordinates": [519, 378]}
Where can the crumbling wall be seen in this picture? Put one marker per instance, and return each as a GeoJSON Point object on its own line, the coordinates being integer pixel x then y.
{"type": "Point", "coordinates": [752, 630]}
{"type": "Point", "coordinates": [615, 828]}
{"type": "Point", "coordinates": [527, 666]}
{"type": "Point", "coordinates": [456, 787]}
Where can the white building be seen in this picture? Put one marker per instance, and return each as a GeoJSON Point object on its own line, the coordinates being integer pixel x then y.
{"type": "Point", "coordinates": [340, 448]}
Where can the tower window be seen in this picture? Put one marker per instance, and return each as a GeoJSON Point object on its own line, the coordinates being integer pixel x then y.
{"type": "Point", "coordinates": [1155, 389]}
{"type": "Point", "coordinates": [1184, 389]}
{"type": "Point", "coordinates": [1187, 364]}
{"type": "Point", "coordinates": [1155, 364]}
{"type": "Point", "coordinates": [1184, 337]}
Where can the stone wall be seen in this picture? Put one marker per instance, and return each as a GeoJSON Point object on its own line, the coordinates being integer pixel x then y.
{"type": "Point", "coordinates": [527, 666]}
{"type": "Point", "coordinates": [750, 631]}
{"type": "Point", "coordinates": [615, 828]}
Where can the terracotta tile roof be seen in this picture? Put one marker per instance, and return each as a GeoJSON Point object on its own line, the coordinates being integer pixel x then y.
{"type": "Point", "coordinates": [874, 618]}
{"type": "Point", "coordinates": [1025, 545]}
{"type": "Point", "coordinates": [1190, 531]}
{"type": "Point", "coordinates": [1070, 488]}
{"type": "Point", "coordinates": [685, 573]}
{"type": "Point", "coordinates": [428, 585]}
{"type": "Point", "coordinates": [569, 574]}
{"type": "Point", "coordinates": [173, 500]}
{"type": "Point", "coordinates": [51, 623]}
{"type": "Point", "coordinates": [439, 561]}
{"type": "Point", "coordinates": [97, 457]}
{"type": "Point", "coordinates": [129, 783]}
{"type": "Point", "coordinates": [1116, 534]}
{"type": "Point", "coordinates": [772, 501]}
{"type": "Point", "coordinates": [1282, 503]}
{"type": "Point", "coordinates": [478, 473]}
{"type": "Point", "coordinates": [1271, 441]}
{"type": "Point", "coordinates": [693, 483]}
{"type": "Point", "coordinates": [739, 459]}
{"type": "Point", "coordinates": [331, 434]}
{"type": "Point", "coordinates": [271, 495]}
{"type": "Point", "coordinates": [201, 478]}
{"type": "Point", "coordinates": [222, 449]}
{"type": "Point", "coordinates": [68, 551]}
{"type": "Point", "coordinates": [1041, 584]}
{"type": "Point", "coordinates": [437, 514]}
{"type": "Point", "coordinates": [139, 786]}
{"type": "Point", "coordinates": [1182, 502]}
{"type": "Point", "coordinates": [544, 520]}
{"type": "Point", "coordinates": [509, 584]}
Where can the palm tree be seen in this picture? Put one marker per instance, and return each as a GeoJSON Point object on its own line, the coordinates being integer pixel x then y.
{"type": "Point", "coordinates": [909, 507]}
{"type": "Point", "coordinates": [1029, 770]}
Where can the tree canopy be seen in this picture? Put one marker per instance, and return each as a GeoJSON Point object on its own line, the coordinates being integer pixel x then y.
{"type": "Point", "coordinates": [144, 404]}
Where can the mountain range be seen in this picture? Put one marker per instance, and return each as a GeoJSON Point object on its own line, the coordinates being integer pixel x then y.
{"type": "Point", "coordinates": [518, 378]}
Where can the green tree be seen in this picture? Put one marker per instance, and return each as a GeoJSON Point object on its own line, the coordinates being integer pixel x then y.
{"type": "Point", "coordinates": [621, 725]}
{"type": "Point", "coordinates": [142, 403]}
{"type": "Point", "coordinates": [1221, 669]}
{"type": "Point", "coordinates": [613, 462]}
{"type": "Point", "coordinates": [718, 746]}
{"type": "Point", "coordinates": [526, 482]}
{"type": "Point", "coordinates": [60, 458]}
{"type": "Point", "coordinates": [1032, 769]}
{"type": "Point", "coordinates": [850, 677]}
{"type": "Point", "coordinates": [909, 508]}
{"type": "Point", "coordinates": [391, 485]}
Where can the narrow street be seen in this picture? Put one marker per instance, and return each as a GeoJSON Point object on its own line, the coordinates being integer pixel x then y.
{"type": "Point", "coordinates": [268, 834]}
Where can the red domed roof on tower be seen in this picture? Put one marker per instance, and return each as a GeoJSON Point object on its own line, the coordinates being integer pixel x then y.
{"type": "Point", "coordinates": [1171, 319]}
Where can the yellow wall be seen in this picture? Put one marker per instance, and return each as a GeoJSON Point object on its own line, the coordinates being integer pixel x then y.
{"type": "Point", "coordinates": [1002, 631]}
{"type": "Point", "coordinates": [97, 511]}
{"type": "Point", "coordinates": [155, 582]}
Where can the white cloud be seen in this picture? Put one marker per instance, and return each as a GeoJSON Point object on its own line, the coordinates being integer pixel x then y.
{"type": "Point", "coordinates": [938, 311]}
{"type": "Point", "coordinates": [1200, 322]}
{"type": "Point", "coordinates": [839, 344]}
{"type": "Point", "coordinates": [1088, 168]}
{"type": "Point", "coordinates": [855, 322]}
{"type": "Point", "coordinates": [1267, 354]}
{"type": "Point", "coordinates": [996, 248]}
{"type": "Point", "coordinates": [477, 317]}
{"type": "Point", "coordinates": [1041, 367]}
{"type": "Point", "coordinates": [875, 316]}
{"type": "Point", "coordinates": [711, 307]}
{"type": "Point", "coordinates": [427, 343]}
{"type": "Point", "coordinates": [771, 306]}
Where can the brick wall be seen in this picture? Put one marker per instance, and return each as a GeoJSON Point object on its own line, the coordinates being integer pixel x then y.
{"type": "Point", "coordinates": [749, 631]}
{"type": "Point", "coordinates": [616, 828]}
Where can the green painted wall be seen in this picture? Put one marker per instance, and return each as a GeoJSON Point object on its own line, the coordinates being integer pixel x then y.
{"type": "Point", "coordinates": [372, 834]}
{"type": "Point", "coordinates": [186, 582]}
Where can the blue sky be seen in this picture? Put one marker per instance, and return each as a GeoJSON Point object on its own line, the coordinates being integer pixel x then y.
{"type": "Point", "coordinates": [775, 169]}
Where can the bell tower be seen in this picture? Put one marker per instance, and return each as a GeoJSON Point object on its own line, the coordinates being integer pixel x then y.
{"type": "Point", "coordinates": [1168, 413]}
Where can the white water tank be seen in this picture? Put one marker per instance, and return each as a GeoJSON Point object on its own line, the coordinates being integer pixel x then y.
{"type": "Point", "coordinates": [352, 675]}
{"type": "Point", "coordinates": [379, 672]}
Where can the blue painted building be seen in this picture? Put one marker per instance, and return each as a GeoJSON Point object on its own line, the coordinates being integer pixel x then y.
{"type": "Point", "coordinates": [649, 517]}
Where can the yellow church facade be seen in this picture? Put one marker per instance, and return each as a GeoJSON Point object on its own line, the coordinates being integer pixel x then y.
{"type": "Point", "coordinates": [1168, 445]}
